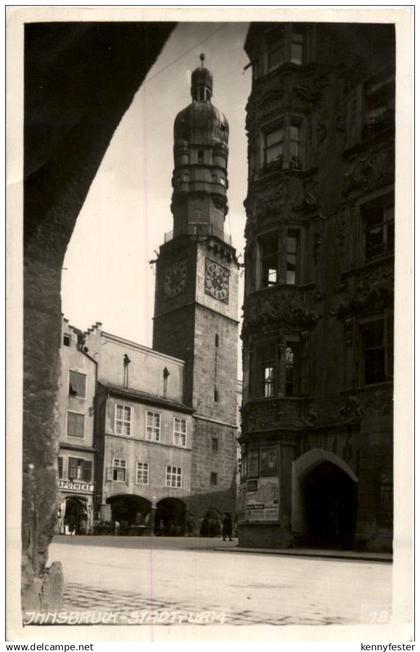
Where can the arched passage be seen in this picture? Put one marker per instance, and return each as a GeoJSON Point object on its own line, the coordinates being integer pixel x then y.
{"type": "Point", "coordinates": [324, 490]}
{"type": "Point", "coordinates": [75, 515]}
{"type": "Point", "coordinates": [211, 523]}
{"type": "Point", "coordinates": [170, 519]}
{"type": "Point", "coordinates": [129, 510]}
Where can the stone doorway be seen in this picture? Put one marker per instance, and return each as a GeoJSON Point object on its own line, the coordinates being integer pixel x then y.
{"type": "Point", "coordinates": [324, 494]}
{"type": "Point", "coordinates": [329, 499]}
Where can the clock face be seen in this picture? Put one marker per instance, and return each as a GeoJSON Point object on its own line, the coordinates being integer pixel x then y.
{"type": "Point", "coordinates": [217, 281]}
{"type": "Point", "coordinates": [175, 279]}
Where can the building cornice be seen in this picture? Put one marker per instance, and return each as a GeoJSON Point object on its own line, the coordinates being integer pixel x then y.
{"type": "Point", "coordinates": [143, 397]}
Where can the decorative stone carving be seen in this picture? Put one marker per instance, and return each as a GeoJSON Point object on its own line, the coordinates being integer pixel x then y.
{"type": "Point", "coordinates": [370, 171]}
{"type": "Point", "coordinates": [379, 404]}
{"type": "Point", "coordinates": [282, 306]}
{"type": "Point", "coordinates": [367, 300]}
{"type": "Point", "coordinates": [352, 408]}
{"type": "Point", "coordinates": [269, 101]}
{"type": "Point", "coordinates": [310, 416]}
{"type": "Point", "coordinates": [367, 404]}
{"type": "Point", "coordinates": [272, 414]}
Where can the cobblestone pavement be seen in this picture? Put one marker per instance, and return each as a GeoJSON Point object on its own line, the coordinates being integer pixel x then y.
{"type": "Point", "coordinates": [125, 608]}
{"type": "Point", "coordinates": [156, 582]}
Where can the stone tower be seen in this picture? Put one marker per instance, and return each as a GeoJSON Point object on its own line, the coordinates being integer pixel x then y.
{"type": "Point", "coordinates": [196, 294]}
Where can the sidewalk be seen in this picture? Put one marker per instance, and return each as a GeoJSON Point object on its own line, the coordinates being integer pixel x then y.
{"type": "Point", "coordinates": [311, 552]}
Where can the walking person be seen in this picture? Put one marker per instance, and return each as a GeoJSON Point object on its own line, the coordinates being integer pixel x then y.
{"type": "Point", "coordinates": [227, 527]}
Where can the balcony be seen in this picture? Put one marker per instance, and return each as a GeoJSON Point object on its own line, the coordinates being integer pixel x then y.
{"type": "Point", "coordinates": [201, 230]}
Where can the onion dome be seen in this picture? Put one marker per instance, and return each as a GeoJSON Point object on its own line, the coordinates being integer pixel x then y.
{"type": "Point", "coordinates": [201, 123]}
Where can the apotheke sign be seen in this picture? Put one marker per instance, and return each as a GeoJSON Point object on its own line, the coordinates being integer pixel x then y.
{"type": "Point", "coordinates": [68, 485]}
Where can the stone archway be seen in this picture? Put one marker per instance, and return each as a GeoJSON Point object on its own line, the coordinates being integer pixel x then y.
{"type": "Point", "coordinates": [324, 489]}
{"type": "Point", "coordinates": [130, 511]}
{"type": "Point", "coordinates": [108, 62]}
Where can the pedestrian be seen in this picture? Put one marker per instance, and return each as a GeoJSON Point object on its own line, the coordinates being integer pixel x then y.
{"type": "Point", "coordinates": [72, 524]}
{"type": "Point", "coordinates": [227, 527]}
{"type": "Point", "coordinates": [116, 528]}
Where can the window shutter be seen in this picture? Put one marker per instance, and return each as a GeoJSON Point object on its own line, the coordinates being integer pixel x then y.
{"type": "Point", "coordinates": [108, 474]}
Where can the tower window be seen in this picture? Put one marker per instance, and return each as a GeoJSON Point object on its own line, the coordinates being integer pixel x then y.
{"type": "Point", "coordinates": [297, 43]}
{"type": "Point", "coordinates": [66, 340]}
{"type": "Point", "coordinates": [269, 251]}
{"type": "Point", "coordinates": [214, 444]}
{"type": "Point", "coordinates": [274, 145]}
{"type": "Point", "coordinates": [216, 396]}
{"type": "Point", "coordinates": [200, 156]}
{"type": "Point", "coordinates": [290, 369]}
{"type": "Point", "coordinates": [292, 255]}
{"type": "Point", "coordinates": [378, 217]}
{"type": "Point", "coordinates": [295, 145]}
{"type": "Point", "coordinates": [266, 370]}
{"type": "Point", "coordinates": [216, 340]}
{"type": "Point", "coordinates": [213, 479]}
{"type": "Point", "coordinates": [285, 44]}
{"type": "Point", "coordinates": [283, 143]}
{"type": "Point", "coordinates": [379, 97]}
{"type": "Point", "coordinates": [276, 49]}
{"type": "Point", "coordinates": [378, 341]}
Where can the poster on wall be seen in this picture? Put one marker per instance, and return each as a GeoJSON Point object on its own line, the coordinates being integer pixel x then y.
{"type": "Point", "coordinates": [269, 462]}
{"type": "Point", "coordinates": [263, 504]}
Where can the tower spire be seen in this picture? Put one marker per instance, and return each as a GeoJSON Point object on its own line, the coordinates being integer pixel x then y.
{"type": "Point", "coordinates": [202, 59]}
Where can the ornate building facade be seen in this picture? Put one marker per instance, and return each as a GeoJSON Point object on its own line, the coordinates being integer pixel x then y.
{"type": "Point", "coordinates": [196, 309]}
{"type": "Point", "coordinates": [317, 437]}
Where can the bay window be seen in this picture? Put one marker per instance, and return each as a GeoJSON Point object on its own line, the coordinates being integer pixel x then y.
{"type": "Point", "coordinates": [283, 143]}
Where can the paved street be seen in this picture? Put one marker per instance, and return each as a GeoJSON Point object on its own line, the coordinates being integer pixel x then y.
{"type": "Point", "coordinates": [126, 574]}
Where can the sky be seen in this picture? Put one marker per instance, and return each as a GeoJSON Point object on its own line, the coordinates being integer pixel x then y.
{"type": "Point", "coordinates": [107, 276]}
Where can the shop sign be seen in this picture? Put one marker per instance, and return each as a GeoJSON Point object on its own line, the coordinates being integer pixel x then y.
{"type": "Point", "coordinates": [263, 504]}
{"type": "Point", "coordinates": [70, 485]}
